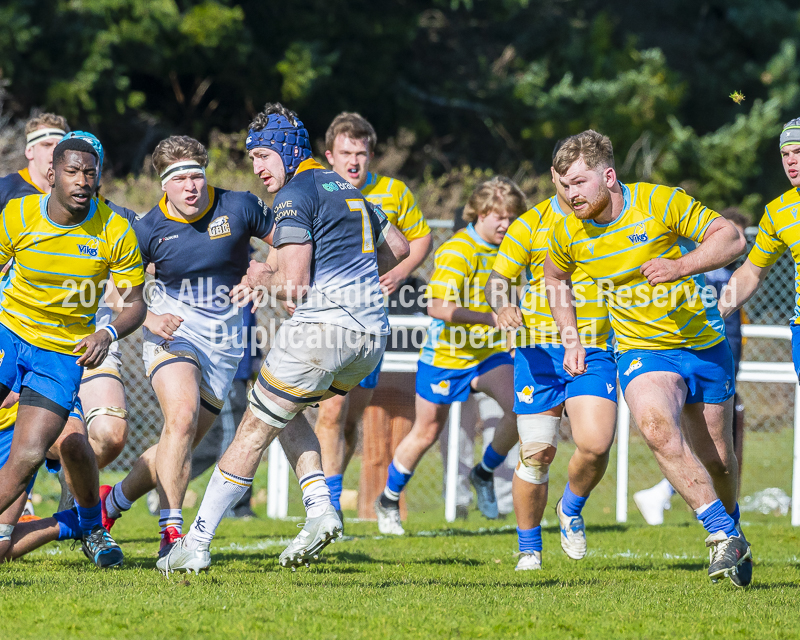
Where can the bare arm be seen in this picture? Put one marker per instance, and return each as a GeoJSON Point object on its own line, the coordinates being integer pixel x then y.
{"type": "Point", "coordinates": [286, 275]}
{"type": "Point", "coordinates": [451, 312]}
{"type": "Point", "coordinates": [558, 285]}
{"type": "Point", "coordinates": [393, 250]}
{"type": "Point", "coordinates": [496, 291]}
{"type": "Point", "coordinates": [722, 244]}
{"type": "Point", "coordinates": [741, 287]}
{"type": "Point", "coordinates": [419, 248]}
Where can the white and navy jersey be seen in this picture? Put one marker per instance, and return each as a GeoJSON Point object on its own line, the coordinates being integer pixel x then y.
{"type": "Point", "coordinates": [345, 230]}
{"type": "Point", "coordinates": [199, 261]}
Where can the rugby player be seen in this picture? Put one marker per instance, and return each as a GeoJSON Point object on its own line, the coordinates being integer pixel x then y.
{"type": "Point", "coordinates": [64, 246]}
{"type": "Point", "coordinates": [329, 245]}
{"type": "Point", "coordinates": [196, 239]}
{"type": "Point", "coordinates": [463, 352]}
{"type": "Point", "coordinates": [634, 242]}
{"type": "Point", "coordinates": [350, 146]}
{"type": "Point", "coordinates": [543, 389]}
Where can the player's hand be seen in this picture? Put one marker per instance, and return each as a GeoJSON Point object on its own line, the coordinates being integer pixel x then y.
{"type": "Point", "coordinates": [660, 270]}
{"type": "Point", "coordinates": [391, 281]}
{"type": "Point", "coordinates": [163, 326]}
{"type": "Point", "coordinates": [242, 294]}
{"type": "Point", "coordinates": [510, 317]}
{"type": "Point", "coordinates": [96, 349]}
{"type": "Point", "coordinates": [575, 360]}
{"type": "Point", "coordinates": [11, 399]}
{"type": "Point", "coordinates": [258, 274]}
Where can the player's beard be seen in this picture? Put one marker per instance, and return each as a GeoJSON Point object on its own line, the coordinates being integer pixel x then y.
{"type": "Point", "coordinates": [595, 207]}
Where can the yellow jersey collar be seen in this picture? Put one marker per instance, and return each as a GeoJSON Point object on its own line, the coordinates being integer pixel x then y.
{"type": "Point", "coordinates": [162, 204]}
{"type": "Point", "coordinates": [26, 176]}
{"type": "Point", "coordinates": [307, 164]}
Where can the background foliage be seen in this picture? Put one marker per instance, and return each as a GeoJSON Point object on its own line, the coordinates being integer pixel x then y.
{"type": "Point", "coordinates": [452, 86]}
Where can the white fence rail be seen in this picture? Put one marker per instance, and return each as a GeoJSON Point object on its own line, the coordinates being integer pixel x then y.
{"type": "Point", "coordinates": [398, 362]}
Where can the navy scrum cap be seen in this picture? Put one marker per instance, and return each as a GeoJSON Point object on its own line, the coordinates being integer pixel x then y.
{"type": "Point", "coordinates": [290, 141]}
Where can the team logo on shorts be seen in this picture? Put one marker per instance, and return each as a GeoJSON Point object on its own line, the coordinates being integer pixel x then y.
{"type": "Point", "coordinates": [441, 388]}
{"type": "Point", "coordinates": [727, 383]}
{"type": "Point", "coordinates": [609, 387]}
{"type": "Point", "coordinates": [639, 234]}
{"type": "Point", "coordinates": [636, 363]}
{"type": "Point", "coordinates": [2, 355]}
{"type": "Point", "coordinates": [89, 249]}
{"type": "Point", "coordinates": [526, 395]}
{"type": "Point", "coordinates": [219, 228]}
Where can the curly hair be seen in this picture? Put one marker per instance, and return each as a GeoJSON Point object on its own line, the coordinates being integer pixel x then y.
{"type": "Point", "coordinates": [46, 121]}
{"type": "Point", "coordinates": [495, 194]}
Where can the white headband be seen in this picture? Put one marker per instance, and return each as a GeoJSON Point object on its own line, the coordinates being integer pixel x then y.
{"type": "Point", "coordinates": [178, 168]}
{"type": "Point", "coordinates": [40, 135]}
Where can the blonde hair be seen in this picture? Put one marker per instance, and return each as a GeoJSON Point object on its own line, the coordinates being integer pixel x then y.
{"type": "Point", "coordinates": [593, 147]}
{"type": "Point", "coordinates": [498, 193]}
{"type": "Point", "coordinates": [46, 121]}
{"type": "Point", "coordinates": [353, 125]}
{"type": "Point", "coordinates": [177, 148]}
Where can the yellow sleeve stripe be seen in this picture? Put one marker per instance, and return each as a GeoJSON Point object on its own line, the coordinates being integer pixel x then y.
{"type": "Point", "coordinates": [451, 270]}
{"type": "Point", "coordinates": [55, 273]}
{"type": "Point", "coordinates": [61, 255]}
{"type": "Point", "coordinates": [510, 259]}
{"type": "Point", "coordinates": [787, 227]}
{"type": "Point", "coordinates": [513, 239]}
{"type": "Point", "coordinates": [121, 238]}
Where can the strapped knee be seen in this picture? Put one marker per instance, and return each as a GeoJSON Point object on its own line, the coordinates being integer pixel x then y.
{"type": "Point", "coordinates": [116, 412]}
{"type": "Point", "coordinates": [537, 433]}
{"type": "Point", "coordinates": [5, 532]}
{"type": "Point", "coordinates": [267, 410]}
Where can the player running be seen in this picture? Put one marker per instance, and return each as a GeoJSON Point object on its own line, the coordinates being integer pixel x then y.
{"type": "Point", "coordinates": [674, 366]}
{"type": "Point", "coordinates": [464, 352]}
{"type": "Point", "coordinates": [64, 247]}
{"type": "Point", "coordinates": [543, 389]}
{"type": "Point", "coordinates": [197, 240]}
{"type": "Point", "coordinates": [42, 133]}
{"type": "Point", "coordinates": [350, 146]}
{"type": "Point", "coordinates": [329, 245]}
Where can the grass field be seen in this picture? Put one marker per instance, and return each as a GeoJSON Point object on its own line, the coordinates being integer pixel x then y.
{"type": "Point", "coordinates": [636, 582]}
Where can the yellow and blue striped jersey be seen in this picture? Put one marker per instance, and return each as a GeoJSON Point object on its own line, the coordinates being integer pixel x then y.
{"type": "Point", "coordinates": [54, 286]}
{"type": "Point", "coordinates": [779, 230]}
{"type": "Point", "coordinates": [525, 248]}
{"type": "Point", "coordinates": [461, 268]}
{"type": "Point", "coordinates": [655, 222]}
{"type": "Point", "coordinates": [398, 203]}
{"type": "Point", "coordinates": [8, 417]}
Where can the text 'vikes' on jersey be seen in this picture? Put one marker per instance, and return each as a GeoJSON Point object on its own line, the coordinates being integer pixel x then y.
{"type": "Point", "coordinates": [55, 284]}
{"type": "Point", "coordinates": [198, 261]}
{"type": "Point", "coordinates": [321, 207]}
{"type": "Point", "coordinates": [655, 222]}
{"type": "Point", "coordinates": [524, 249]}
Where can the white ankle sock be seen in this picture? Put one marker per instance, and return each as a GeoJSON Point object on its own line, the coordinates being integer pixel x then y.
{"type": "Point", "coordinates": [316, 494]}
{"type": "Point", "coordinates": [116, 502]}
{"type": "Point", "coordinates": [171, 518]}
{"type": "Point", "coordinates": [224, 490]}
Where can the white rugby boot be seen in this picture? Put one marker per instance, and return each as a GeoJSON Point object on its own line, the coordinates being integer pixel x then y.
{"type": "Point", "coordinates": [389, 519]}
{"type": "Point", "coordinates": [317, 534]}
{"type": "Point", "coordinates": [573, 534]}
{"type": "Point", "coordinates": [529, 561]}
{"type": "Point", "coordinates": [180, 558]}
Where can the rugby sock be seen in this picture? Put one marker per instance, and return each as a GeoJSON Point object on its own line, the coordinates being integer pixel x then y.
{"type": "Point", "coordinates": [491, 460]}
{"type": "Point", "coordinates": [335, 485]}
{"type": "Point", "coordinates": [68, 526]}
{"type": "Point", "coordinates": [396, 481]}
{"type": "Point", "coordinates": [89, 518]}
{"type": "Point", "coordinates": [116, 502]}
{"type": "Point", "coordinates": [736, 516]}
{"type": "Point", "coordinates": [572, 505]}
{"type": "Point", "coordinates": [316, 495]}
{"type": "Point", "coordinates": [224, 490]}
{"type": "Point", "coordinates": [530, 539]}
{"type": "Point", "coordinates": [714, 518]}
{"type": "Point", "coordinates": [171, 518]}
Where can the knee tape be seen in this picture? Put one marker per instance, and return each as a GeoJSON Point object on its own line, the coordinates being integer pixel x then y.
{"type": "Point", "coordinates": [5, 532]}
{"type": "Point", "coordinates": [116, 412]}
{"type": "Point", "coordinates": [268, 411]}
{"type": "Point", "coordinates": [536, 433]}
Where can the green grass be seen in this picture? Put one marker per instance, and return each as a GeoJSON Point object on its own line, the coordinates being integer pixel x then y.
{"type": "Point", "coordinates": [636, 582]}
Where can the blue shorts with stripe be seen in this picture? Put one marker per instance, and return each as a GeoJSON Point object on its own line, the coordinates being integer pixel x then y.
{"type": "Point", "coordinates": [540, 382]}
{"type": "Point", "coordinates": [56, 376]}
{"type": "Point", "coordinates": [371, 381]}
{"type": "Point", "coordinates": [445, 386]}
{"type": "Point", "coordinates": [708, 373]}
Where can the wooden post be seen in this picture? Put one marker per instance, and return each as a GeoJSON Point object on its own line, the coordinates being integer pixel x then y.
{"type": "Point", "coordinates": [386, 422]}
